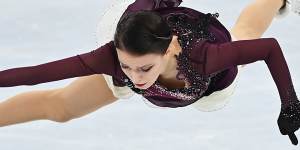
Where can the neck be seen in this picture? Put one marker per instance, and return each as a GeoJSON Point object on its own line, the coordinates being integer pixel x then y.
{"type": "Point", "coordinates": [171, 71]}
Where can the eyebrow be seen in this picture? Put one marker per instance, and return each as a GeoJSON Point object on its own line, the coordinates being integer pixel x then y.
{"type": "Point", "coordinates": [138, 67]}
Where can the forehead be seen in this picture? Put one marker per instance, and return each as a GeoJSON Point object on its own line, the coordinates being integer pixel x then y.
{"type": "Point", "coordinates": [134, 60]}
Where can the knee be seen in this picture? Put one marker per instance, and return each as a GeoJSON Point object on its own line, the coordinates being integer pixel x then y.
{"type": "Point", "coordinates": [62, 120]}
{"type": "Point", "coordinates": [246, 34]}
{"type": "Point", "coordinates": [59, 117]}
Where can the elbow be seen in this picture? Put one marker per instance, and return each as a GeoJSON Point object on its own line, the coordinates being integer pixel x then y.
{"type": "Point", "coordinates": [275, 48]}
{"type": "Point", "coordinates": [275, 43]}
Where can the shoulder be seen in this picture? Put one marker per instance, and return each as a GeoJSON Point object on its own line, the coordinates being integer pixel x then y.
{"type": "Point", "coordinates": [113, 65]}
{"type": "Point", "coordinates": [197, 18]}
{"type": "Point", "coordinates": [106, 59]}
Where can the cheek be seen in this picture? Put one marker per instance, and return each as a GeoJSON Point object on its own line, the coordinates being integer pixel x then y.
{"type": "Point", "coordinates": [127, 73]}
{"type": "Point", "coordinates": [154, 73]}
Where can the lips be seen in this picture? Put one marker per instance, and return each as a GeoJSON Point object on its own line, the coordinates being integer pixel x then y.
{"type": "Point", "coordinates": [140, 84]}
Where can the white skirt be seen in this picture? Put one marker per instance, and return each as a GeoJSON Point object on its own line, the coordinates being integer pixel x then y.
{"type": "Point", "coordinates": [105, 31]}
{"type": "Point", "coordinates": [218, 99]}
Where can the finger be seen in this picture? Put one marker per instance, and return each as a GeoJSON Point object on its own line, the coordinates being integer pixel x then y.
{"type": "Point", "coordinates": [293, 138]}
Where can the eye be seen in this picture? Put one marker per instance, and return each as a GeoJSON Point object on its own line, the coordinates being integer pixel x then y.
{"type": "Point", "coordinates": [147, 69]}
{"type": "Point", "coordinates": [124, 67]}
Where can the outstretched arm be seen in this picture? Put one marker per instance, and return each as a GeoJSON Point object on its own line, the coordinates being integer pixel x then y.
{"type": "Point", "coordinates": [99, 61]}
{"type": "Point", "coordinates": [221, 56]}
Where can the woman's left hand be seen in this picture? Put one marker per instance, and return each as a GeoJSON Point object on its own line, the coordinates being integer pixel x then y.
{"type": "Point", "coordinates": [289, 120]}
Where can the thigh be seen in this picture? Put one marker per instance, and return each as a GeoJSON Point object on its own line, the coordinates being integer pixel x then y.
{"type": "Point", "coordinates": [255, 19]}
{"type": "Point", "coordinates": [86, 94]}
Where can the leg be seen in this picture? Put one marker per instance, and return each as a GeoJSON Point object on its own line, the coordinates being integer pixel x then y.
{"type": "Point", "coordinates": [82, 96]}
{"type": "Point", "coordinates": [255, 19]}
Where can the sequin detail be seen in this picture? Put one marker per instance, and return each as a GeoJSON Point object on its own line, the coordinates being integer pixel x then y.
{"type": "Point", "coordinates": [188, 31]}
{"type": "Point", "coordinates": [289, 118]}
{"type": "Point", "coordinates": [291, 96]}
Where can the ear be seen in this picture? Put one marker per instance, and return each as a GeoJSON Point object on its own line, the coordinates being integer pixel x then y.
{"type": "Point", "coordinates": [172, 48]}
{"type": "Point", "coordinates": [169, 50]}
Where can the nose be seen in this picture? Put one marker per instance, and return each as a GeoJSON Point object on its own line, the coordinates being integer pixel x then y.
{"type": "Point", "coordinates": [136, 77]}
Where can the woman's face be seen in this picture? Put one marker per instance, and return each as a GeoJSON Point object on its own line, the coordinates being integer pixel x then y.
{"type": "Point", "coordinates": [143, 69]}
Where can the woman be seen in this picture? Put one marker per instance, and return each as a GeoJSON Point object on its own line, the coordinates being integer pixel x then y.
{"type": "Point", "coordinates": [173, 56]}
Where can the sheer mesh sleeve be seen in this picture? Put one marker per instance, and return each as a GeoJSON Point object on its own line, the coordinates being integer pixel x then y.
{"type": "Point", "coordinates": [215, 57]}
{"type": "Point", "coordinates": [99, 61]}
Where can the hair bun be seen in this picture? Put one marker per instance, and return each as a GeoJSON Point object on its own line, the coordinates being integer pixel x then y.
{"type": "Point", "coordinates": [108, 21]}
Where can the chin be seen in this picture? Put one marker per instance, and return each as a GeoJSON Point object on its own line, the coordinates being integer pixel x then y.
{"type": "Point", "coordinates": [143, 88]}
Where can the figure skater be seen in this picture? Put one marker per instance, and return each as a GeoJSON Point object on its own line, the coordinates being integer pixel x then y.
{"type": "Point", "coordinates": [173, 56]}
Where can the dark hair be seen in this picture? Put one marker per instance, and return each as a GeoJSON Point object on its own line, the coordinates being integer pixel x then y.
{"type": "Point", "coordinates": [142, 32]}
